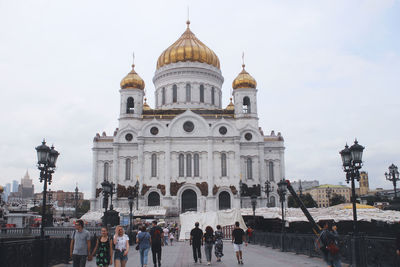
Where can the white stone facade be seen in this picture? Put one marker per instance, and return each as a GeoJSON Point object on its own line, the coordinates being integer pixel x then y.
{"type": "Point", "coordinates": [189, 170]}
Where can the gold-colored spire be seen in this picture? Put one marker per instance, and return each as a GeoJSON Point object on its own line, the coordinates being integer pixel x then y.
{"type": "Point", "coordinates": [188, 48]}
{"type": "Point", "coordinates": [244, 79]}
{"type": "Point", "coordinates": [145, 105]}
{"type": "Point", "coordinates": [132, 80]}
{"type": "Point", "coordinates": [230, 105]}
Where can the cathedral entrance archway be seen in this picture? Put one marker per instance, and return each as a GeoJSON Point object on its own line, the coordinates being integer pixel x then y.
{"type": "Point", "coordinates": [153, 199]}
{"type": "Point", "coordinates": [224, 200]}
{"type": "Point", "coordinates": [189, 200]}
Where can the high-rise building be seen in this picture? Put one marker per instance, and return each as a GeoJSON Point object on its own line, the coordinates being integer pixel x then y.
{"type": "Point", "coordinates": [14, 186]}
{"type": "Point", "coordinates": [26, 188]}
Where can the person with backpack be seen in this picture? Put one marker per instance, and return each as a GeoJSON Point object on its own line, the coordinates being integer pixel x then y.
{"type": "Point", "coordinates": [157, 237]}
{"type": "Point", "coordinates": [209, 240]}
{"type": "Point", "coordinates": [328, 243]}
{"type": "Point", "coordinates": [80, 245]}
{"type": "Point", "coordinates": [196, 237]}
{"type": "Point", "coordinates": [144, 241]}
{"type": "Point", "coordinates": [103, 249]}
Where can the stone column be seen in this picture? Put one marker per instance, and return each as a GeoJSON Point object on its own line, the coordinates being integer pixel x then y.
{"type": "Point", "coordinates": [140, 163]}
{"type": "Point", "coordinates": [237, 170]}
{"type": "Point", "coordinates": [95, 179]}
{"type": "Point", "coordinates": [210, 165]}
{"type": "Point", "coordinates": [261, 166]}
{"type": "Point", "coordinates": [167, 162]}
{"type": "Point", "coordinates": [115, 171]}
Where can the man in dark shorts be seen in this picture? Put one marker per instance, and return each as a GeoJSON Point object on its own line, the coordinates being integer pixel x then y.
{"type": "Point", "coordinates": [238, 237]}
{"type": "Point", "coordinates": [156, 234]}
{"type": "Point", "coordinates": [196, 241]}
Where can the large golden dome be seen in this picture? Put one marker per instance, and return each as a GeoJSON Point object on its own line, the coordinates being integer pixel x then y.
{"type": "Point", "coordinates": [132, 80]}
{"type": "Point", "coordinates": [244, 80]}
{"type": "Point", "coordinates": [188, 48]}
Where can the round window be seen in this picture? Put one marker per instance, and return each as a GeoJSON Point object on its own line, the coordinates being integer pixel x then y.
{"type": "Point", "coordinates": [188, 126]}
{"type": "Point", "coordinates": [223, 130]}
{"type": "Point", "coordinates": [248, 136]}
{"type": "Point", "coordinates": [154, 130]}
{"type": "Point", "coordinates": [128, 137]}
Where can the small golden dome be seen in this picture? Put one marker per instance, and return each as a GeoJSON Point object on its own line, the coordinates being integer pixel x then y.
{"type": "Point", "coordinates": [244, 80]}
{"type": "Point", "coordinates": [1, 189]}
{"type": "Point", "coordinates": [145, 105]}
{"type": "Point", "coordinates": [188, 48]}
{"type": "Point", "coordinates": [230, 106]}
{"type": "Point", "coordinates": [132, 80]}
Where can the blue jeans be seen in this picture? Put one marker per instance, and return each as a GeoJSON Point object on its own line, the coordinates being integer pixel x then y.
{"type": "Point", "coordinates": [166, 240]}
{"type": "Point", "coordinates": [144, 252]}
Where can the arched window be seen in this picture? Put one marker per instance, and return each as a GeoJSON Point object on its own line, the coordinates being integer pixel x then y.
{"type": "Point", "coordinates": [154, 165]}
{"type": "Point", "coordinates": [249, 168]}
{"type": "Point", "coordinates": [106, 170]}
{"type": "Point", "coordinates": [272, 201]}
{"type": "Point", "coordinates": [130, 105]}
{"type": "Point", "coordinates": [188, 93]}
{"type": "Point", "coordinates": [127, 169]}
{"type": "Point", "coordinates": [271, 171]}
{"type": "Point", "coordinates": [163, 96]}
{"type": "Point", "coordinates": [202, 93]}
{"type": "Point", "coordinates": [181, 165]}
{"type": "Point", "coordinates": [196, 163]}
{"type": "Point", "coordinates": [246, 104]}
{"type": "Point", "coordinates": [212, 95]}
{"type": "Point", "coordinates": [174, 93]}
{"type": "Point", "coordinates": [153, 199]}
{"type": "Point", "coordinates": [189, 165]}
{"type": "Point", "coordinates": [223, 164]}
{"type": "Point", "coordinates": [224, 200]}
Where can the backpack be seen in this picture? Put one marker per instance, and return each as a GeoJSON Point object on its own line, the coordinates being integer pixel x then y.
{"type": "Point", "coordinates": [157, 234]}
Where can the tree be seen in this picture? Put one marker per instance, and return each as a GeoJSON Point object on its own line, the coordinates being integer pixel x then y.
{"type": "Point", "coordinates": [307, 199]}
{"type": "Point", "coordinates": [337, 199]}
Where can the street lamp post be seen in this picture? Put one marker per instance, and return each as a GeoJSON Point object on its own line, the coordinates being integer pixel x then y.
{"type": "Point", "coordinates": [76, 200]}
{"type": "Point", "coordinates": [241, 191]}
{"type": "Point", "coordinates": [268, 188]}
{"type": "Point", "coordinates": [131, 198]}
{"type": "Point", "coordinates": [282, 187]}
{"type": "Point", "coordinates": [47, 158]}
{"type": "Point", "coordinates": [393, 176]}
{"type": "Point", "coordinates": [136, 193]}
{"type": "Point", "coordinates": [253, 205]}
{"type": "Point", "coordinates": [110, 216]}
{"type": "Point", "coordinates": [352, 162]}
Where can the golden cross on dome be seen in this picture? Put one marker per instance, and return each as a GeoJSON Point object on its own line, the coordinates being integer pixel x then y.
{"type": "Point", "coordinates": [188, 21]}
{"type": "Point", "coordinates": [243, 65]}
{"type": "Point", "coordinates": [133, 58]}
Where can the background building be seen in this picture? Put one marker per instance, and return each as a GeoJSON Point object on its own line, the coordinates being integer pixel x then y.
{"type": "Point", "coordinates": [188, 152]}
{"type": "Point", "coordinates": [323, 193]}
{"type": "Point", "coordinates": [14, 186]}
{"type": "Point", "coordinates": [303, 185]}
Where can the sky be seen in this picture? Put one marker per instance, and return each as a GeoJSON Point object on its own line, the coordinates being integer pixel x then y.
{"type": "Point", "coordinates": [327, 72]}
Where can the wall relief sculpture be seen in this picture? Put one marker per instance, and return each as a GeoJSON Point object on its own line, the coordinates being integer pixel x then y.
{"type": "Point", "coordinates": [203, 188]}
{"type": "Point", "coordinates": [161, 187]}
{"type": "Point", "coordinates": [174, 187]}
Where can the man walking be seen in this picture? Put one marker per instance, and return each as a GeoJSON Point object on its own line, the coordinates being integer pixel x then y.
{"type": "Point", "coordinates": [196, 241]}
{"type": "Point", "coordinates": [80, 245]}
{"type": "Point", "coordinates": [238, 237]}
{"type": "Point", "coordinates": [156, 234]}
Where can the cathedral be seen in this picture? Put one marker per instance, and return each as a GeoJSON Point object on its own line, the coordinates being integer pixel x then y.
{"type": "Point", "coordinates": [188, 153]}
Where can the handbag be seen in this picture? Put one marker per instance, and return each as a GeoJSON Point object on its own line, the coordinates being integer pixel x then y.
{"type": "Point", "coordinates": [332, 248]}
{"type": "Point", "coordinates": [137, 247]}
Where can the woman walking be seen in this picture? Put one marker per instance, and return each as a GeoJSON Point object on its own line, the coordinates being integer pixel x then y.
{"type": "Point", "coordinates": [144, 241]}
{"type": "Point", "coordinates": [219, 245]}
{"type": "Point", "coordinates": [121, 242]}
{"type": "Point", "coordinates": [209, 240]}
{"type": "Point", "coordinates": [171, 237]}
{"type": "Point", "coordinates": [103, 249]}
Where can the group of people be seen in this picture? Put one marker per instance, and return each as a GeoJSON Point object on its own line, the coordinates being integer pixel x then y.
{"type": "Point", "coordinates": [211, 238]}
{"type": "Point", "coordinates": [116, 248]}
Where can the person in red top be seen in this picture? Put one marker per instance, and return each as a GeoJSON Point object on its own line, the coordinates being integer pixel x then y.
{"type": "Point", "coordinates": [249, 233]}
{"type": "Point", "coordinates": [238, 237]}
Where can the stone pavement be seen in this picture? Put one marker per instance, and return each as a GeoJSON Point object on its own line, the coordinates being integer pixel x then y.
{"type": "Point", "coordinates": [180, 255]}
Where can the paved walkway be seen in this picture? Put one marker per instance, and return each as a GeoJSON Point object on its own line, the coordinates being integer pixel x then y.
{"type": "Point", "coordinates": [180, 255]}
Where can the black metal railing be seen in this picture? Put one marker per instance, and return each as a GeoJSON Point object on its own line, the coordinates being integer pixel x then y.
{"type": "Point", "coordinates": [34, 252]}
{"type": "Point", "coordinates": [49, 231]}
{"type": "Point", "coordinates": [373, 251]}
